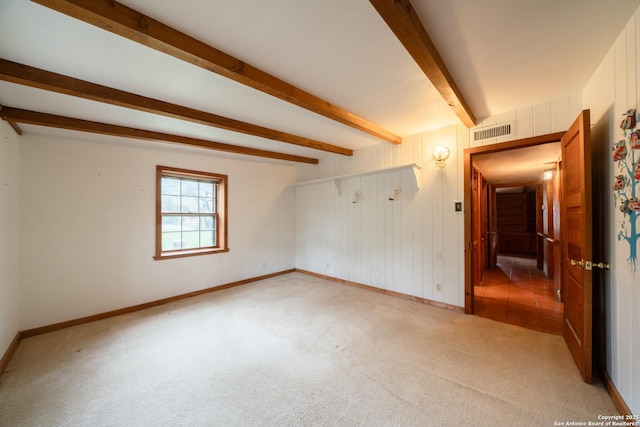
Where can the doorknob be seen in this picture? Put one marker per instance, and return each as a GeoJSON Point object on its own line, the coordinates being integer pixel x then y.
{"type": "Point", "coordinates": [590, 265]}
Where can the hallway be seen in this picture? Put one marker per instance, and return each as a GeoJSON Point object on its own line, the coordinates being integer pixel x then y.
{"type": "Point", "coordinates": [516, 292]}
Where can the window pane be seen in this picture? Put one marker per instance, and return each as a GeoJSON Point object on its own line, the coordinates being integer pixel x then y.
{"type": "Point", "coordinates": [206, 189]}
{"type": "Point", "coordinates": [206, 205]}
{"type": "Point", "coordinates": [207, 238]}
{"type": "Point", "coordinates": [206, 223]}
{"type": "Point", "coordinates": [170, 223]}
{"type": "Point", "coordinates": [190, 223]}
{"type": "Point", "coordinates": [191, 239]}
{"type": "Point", "coordinates": [189, 205]}
{"type": "Point", "coordinates": [171, 241]}
{"type": "Point", "coordinates": [170, 186]}
{"type": "Point", "coordinates": [170, 204]}
{"type": "Point", "coordinates": [189, 188]}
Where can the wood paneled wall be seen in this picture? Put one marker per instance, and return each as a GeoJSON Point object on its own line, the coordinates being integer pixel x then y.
{"type": "Point", "coordinates": [614, 88]}
{"type": "Point", "coordinates": [416, 244]}
{"type": "Point", "coordinates": [412, 245]}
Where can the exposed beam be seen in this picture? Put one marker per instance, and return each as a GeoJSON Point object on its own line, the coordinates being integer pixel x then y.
{"type": "Point", "coordinates": [43, 119]}
{"type": "Point", "coordinates": [13, 124]}
{"type": "Point", "coordinates": [405, 23]}
{"type": "Point", "coordinates": [15, 127]}
{"type": "Point", "coordinates": [126, 22]}
{"type": "Point", "coordinates": [42, 79]}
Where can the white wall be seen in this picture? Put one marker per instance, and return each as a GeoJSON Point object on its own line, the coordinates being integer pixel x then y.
{"type": "Point", "coordinates": [407, 245]}
{"type": "Point", "coordinates": [614, 88]}
{"type": "Point", "coordinates": [406, 241]}
{"type": "Point", "coordinates": [9, 240]}
{"type": "Point", "coordinates": [413, 244]}
{"type": "Point", "coordinates": [87, 211]}
{"type": "Point", "coordinates": [88, 225]}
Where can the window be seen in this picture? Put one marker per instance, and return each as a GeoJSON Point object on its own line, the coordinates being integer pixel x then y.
{"type": "Point", "coordinates": [190, 213]}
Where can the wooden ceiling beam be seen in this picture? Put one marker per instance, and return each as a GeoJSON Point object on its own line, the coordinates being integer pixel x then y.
{"type": "Point", "coordinates": [15, 127]}
{"type": "Point", "coordinates": [131, 24]}
{"type": "Point", "coordinates": [13, 124]}
{"type": "Point", "coordinates": [42, 79]}
{"type": "Point", "coordinates": [406, 25]}
{"type": "Point", "coordinates": [49, 120]}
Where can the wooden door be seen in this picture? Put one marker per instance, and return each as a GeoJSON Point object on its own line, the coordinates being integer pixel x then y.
{"type": "Point", "coordinates": [541, 241]}
{"type": "Point", "coordinates": [484, 224]}
{"type": "Point", "coordinates": [477, 234]}
{"type": "Point", "coordinates": [493, 229]}
{"type": "Point", "coordinates": [577, 242]}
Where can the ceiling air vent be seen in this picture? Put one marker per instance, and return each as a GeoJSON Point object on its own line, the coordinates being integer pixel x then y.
{"type": "Point", "coordinates": [493, 132]}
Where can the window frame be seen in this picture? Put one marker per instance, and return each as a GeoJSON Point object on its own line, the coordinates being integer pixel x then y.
{"type": "Point", "coordinates": [220, 212]}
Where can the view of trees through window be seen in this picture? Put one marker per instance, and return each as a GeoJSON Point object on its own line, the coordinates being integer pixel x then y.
{"type": "Point", "coordinates": [190, 212]}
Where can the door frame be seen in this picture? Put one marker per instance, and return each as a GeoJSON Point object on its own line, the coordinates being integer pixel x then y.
{"type": "Point", "coordinates": [468, 216]}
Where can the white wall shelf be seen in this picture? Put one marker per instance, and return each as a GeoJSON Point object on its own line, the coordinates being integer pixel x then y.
{"type": "Point", "coordinates": [337, 180]}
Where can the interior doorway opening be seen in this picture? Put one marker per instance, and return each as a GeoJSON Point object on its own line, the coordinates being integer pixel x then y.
{"type": "Point", "coordinates": [514, 233]}
{"type": "Point", "coordinates": [581, 218]}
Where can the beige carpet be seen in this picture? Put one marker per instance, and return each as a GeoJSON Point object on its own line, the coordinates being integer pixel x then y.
{"type": "Point", "coordinates": [296, 350]}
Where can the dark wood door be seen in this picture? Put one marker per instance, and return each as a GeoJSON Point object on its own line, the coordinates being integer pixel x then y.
{"type": "Point", "coordinates": [493, 227]}
{"type": "Point", "coordinates": [477, 227]}
{"type": "Point", "coordinates": [484, 224]}
{"type": "Point", "coordinates": [577, 242]}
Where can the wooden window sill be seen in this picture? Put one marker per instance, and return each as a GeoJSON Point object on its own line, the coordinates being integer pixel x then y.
{"type": "Point", "coordinates": [188, 253]}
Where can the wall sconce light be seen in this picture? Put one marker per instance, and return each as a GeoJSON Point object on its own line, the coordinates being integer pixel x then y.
{"type": "Point", "coordinates": [548, 174]}
{"type": "Point", "coordinates": [356, 197]}
{"type": "Point", "coordinates": [394, 193]}
{"type": "Point", "coordinates": [441, 154]}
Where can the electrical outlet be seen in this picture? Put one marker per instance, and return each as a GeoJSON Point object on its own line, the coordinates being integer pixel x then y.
{"type": "Point", "coordinates": [439, 287]}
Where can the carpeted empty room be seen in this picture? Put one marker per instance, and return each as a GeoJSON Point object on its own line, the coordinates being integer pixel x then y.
{"type": "Point", "coordinates": [319, 213]}
{"type": "Point", "coordinates": [296, 350]}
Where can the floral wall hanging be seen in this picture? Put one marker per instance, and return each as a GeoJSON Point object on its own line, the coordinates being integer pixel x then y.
{"type": "Point", "coordinates": [626, 191]}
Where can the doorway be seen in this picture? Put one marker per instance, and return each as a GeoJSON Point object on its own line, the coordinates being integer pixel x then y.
{"type": "Point", "coordinates": [513, 229]}
{"type": "Point", "coordinates": [580, 220]}
{"type": "Point", "coordinates": [519, 286]}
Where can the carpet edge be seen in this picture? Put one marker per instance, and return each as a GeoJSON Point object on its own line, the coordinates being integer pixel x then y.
{"type": "Point", "coordinates": [10, 350]}
{"type": "Point", "coordinates": [385, 291]}
{"type": "Point", "coordinates": [107, 314]}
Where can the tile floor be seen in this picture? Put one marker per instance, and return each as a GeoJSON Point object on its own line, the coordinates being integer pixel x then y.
{"type": "Point", "coordinates": [516, 292]}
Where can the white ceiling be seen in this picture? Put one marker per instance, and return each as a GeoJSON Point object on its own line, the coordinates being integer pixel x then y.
{"type": "Point", "coordinates": [518, 166]}
{"type": "Point", "coordinates": [502, 54]}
